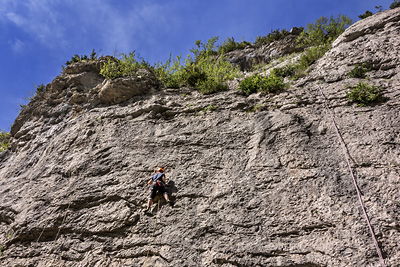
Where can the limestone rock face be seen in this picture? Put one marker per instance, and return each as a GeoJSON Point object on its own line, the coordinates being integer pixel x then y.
{"type": "Point", "coordinates": [263, 188]}
{"type": "Point", "coordinates": [376, 38]}
{"type": "Point", "coordinates": [122, 89]}
{"type": "Point", "coordinates": [253, 55]}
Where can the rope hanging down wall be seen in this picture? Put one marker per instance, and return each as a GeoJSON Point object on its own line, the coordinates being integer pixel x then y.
{"type": "Point", "coordinates": [352, 175]}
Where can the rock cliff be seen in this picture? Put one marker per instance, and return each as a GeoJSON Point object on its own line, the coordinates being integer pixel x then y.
{"type": "Point", "coordinates": [257, 181]}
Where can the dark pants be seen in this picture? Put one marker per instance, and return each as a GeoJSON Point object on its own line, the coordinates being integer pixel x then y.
{"type": "Point", "coordinates": [156, 187]}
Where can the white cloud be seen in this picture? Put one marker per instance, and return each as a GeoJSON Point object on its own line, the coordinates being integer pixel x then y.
{"type": "Point", "coordinates": [102, 24]}
{"type": "Point", "coordinates": [17, 45]}
{"type": "Point", "coordinates": [16, 19]}
{"type": "Point", "coordinates": [34, 17]}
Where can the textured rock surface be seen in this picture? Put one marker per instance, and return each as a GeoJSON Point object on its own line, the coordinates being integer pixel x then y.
{"type": "Point", "coordinates": [265, 188]}
{"type": "Point", "coordinates": [253, 55]}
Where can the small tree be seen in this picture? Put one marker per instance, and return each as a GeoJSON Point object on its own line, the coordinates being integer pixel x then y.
{"type": "Point", "coordinates": [395, 4]}
{"type": "Point", "coordinates": [324, 31]}
{"type": "Point", "coordinates": [366, 14]}
{"type": "Point", "coordinates": [205, 69]}
{"type": "Point", "coordinates": [5, 138]}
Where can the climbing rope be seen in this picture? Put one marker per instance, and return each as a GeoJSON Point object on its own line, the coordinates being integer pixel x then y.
{"type": "Point", "coordinates": [154, 228]}
{"type": "Point", "coordinates": [59, 228]}
{"type": "Point", "coordinates": [65, 216]}
{"type": "Point", "coordinates": [382, 261]}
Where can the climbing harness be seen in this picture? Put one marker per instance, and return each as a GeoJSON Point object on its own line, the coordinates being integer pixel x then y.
{"type": "Point", "coordinates": [382, 261]}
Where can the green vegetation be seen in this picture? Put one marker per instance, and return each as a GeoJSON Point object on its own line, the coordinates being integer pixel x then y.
{"type": "Point", "coordinates": [256, 82]}
{"type": "Point", "coordinates": [364, 94]}
{"type": "Point", "coordinates": [366, 14]}
{"type": "Point", "coordinates": [205, 69]}
{"type": "Point", "coordinates": [77, 58]}
{"type": "Point", "coordinates": [210, 108]}
{"type": "Point", "coordinates": [274, 35]}
{"type": "Point", "coordinates": [40, 88]}
{"type": "Point", "coordinates": [359, 71]}
{"type": "Point", "coordinates": [37, 89]}
{"type": "Point", "coordinates": [395, 4]}
{"type": "Point", "coordinates": [127, 65]}
{"type": "Point", "coordinates": [317, 39]}
{"type": "Point", "coordinates": [283, 72]}
{"type": "Point", "coordinates": [230, 45]}
{"type": "Point", "coordinates": [5, 139]}
{"type": "Point", "coordinates": [324, 31]}
{"type": "Point", "coordinates": [311, 55]}
{"type": "Point", "coordinates": [256, 108]}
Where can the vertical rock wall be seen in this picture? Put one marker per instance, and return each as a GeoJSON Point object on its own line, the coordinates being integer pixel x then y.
{"type": "Point", "coordinates": [265, 188]}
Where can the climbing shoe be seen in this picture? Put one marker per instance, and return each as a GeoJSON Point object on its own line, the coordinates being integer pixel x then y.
{"type": "Point", "coordinates": [171, 203]}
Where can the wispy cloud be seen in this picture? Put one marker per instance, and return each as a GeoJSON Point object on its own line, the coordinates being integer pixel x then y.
{"type": "Point", "coordinates": [34, 17]}
{"type": "Point", "coordinates": [124, 29]}
{"type": "Point", "coordinates": [17, 45]}
{"type": "Point", "coordinates": [107, 24]}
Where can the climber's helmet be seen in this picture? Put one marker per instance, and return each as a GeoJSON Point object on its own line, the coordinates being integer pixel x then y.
{"type": "Point", "coordinates": [160, 169]}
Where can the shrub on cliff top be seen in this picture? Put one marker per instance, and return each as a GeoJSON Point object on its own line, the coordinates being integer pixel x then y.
{"type": "Point", "coordinates": [365, 15]}
{"type": "Point", "coordinates": [4, 140]}
{"type": "Point", "coordinates": [274, 35]}
{"type": "Point", "coordinates": [127, 65]}
{"type": "Point", "coordinates": [395, 4]}
{"type": "Point", "coordinates": [204, 69]}
{"type": "Point", "coordinates": [318, 37]}
{"type": "Point", "coordinates": [230, 45]}
{"type": "Point", "coordinates": [323, 31]}
{"type": "Point", "coordinates": [77, 58]}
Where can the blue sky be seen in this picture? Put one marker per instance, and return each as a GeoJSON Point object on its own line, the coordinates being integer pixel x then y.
{"type": "Point", "coordinates": [38, 36]}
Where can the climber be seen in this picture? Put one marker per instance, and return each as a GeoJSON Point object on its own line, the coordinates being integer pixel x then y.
{"type": "Point", "coordinates": [157, 183]}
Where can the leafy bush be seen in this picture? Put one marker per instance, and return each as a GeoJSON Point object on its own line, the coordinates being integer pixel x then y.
{"type": "Point", "coordinates": [311, 55]}
{"type": "Point", "coordinates": [273, 84]}
{"type": "Point", "coordinates": [171, 72]}
{"type": "Point", "coordinates": [251, 84]}
{"type": "Point", "coordinates": [395, 4]}
{"type": "Point", "coordinates": [366, 14]}
{"type": "Point", "coordinates": [364, 94]}
{"type": "Point", "coordinates": [77, 58]}
{"type": "Point", "coordinates": [207, 71]}
{"type": "Point", "coordinates": [283, 72]}
{"type": "Point", "coordinates": [359, 71]}
{"type": "Point", "coordinates": [230, 45]}
{"type": "Point", "coordinates": [323, 31]}
{"type": "Point", "coordinates": [274, 35]}
{"type": "Point", "coordinates": [125, 66]}
{"type": "Point", "coordinates": [318, 37]}
{"type": "Point", "coordinates": [210, 108]}
{"type": "Point", "coordinates": [5, 139]}
{"type": "Point", "coordinates": [256, 82]}
{"type": "Point", "coordinates": [40, 88]}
